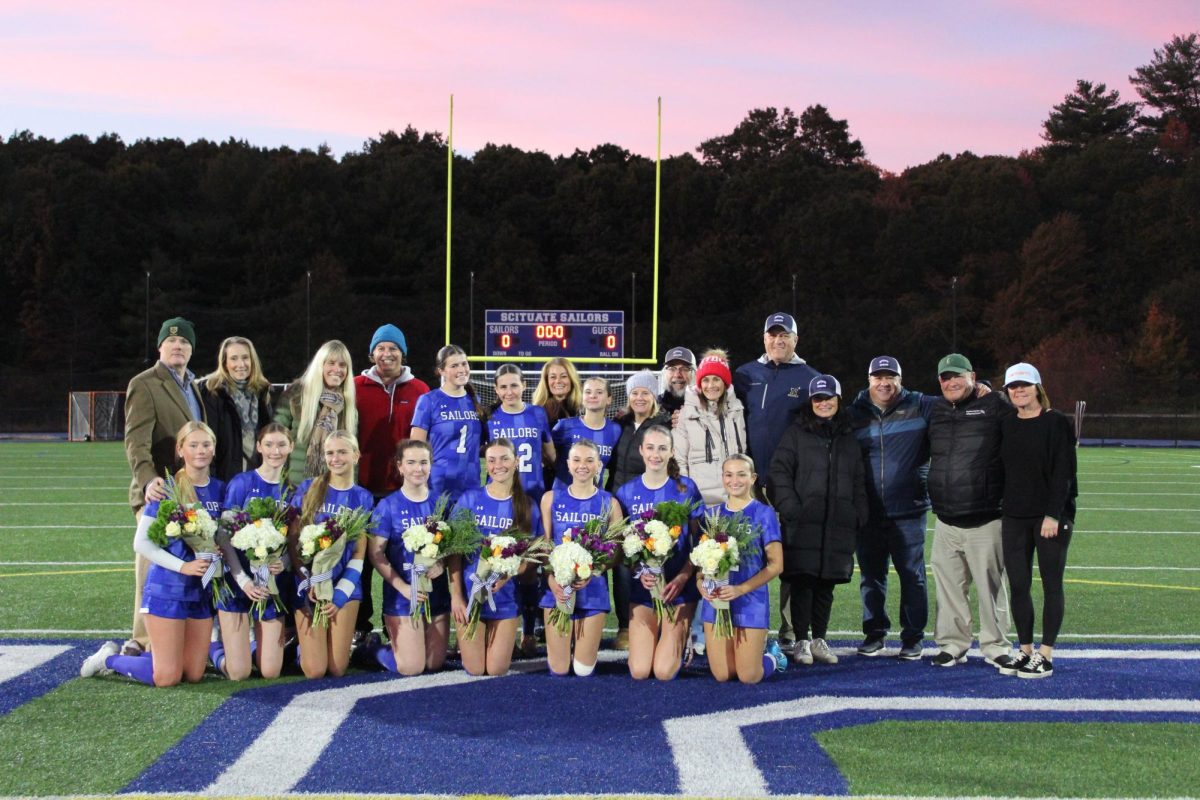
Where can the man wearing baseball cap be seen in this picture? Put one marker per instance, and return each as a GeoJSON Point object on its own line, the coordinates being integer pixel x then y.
{"type": "Point", "coordinates": [966, 486]}
{"type": "Point", "coordinates": [892, 425]}
{"type": "Point", "coordinates": [385, 396]}
{"type": "Point", "coordinates": [158, 402]}
{"type": "Point", "coordinates": [678, 373]}
{"type": "Point", "coordinates": [772, 389]}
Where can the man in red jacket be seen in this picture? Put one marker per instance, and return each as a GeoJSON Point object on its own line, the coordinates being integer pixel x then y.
{"type": "Point", "coordinates": [386, 396]}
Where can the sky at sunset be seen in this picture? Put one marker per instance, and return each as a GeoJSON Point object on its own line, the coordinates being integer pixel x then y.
{"type": "Point", "coordinates": [914, 79]}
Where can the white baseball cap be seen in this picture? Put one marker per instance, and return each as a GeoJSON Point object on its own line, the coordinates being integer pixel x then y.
{"type": "Point", "coordinates": [1022, 373]}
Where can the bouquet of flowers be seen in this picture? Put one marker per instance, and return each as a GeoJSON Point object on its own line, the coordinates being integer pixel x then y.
{"type": "Point", "coordinates": [500, 558]}
{"type": "Point", "coordinates": [322, 545]}
{"type": "Point", "coordinates": [649, 543]}
{"type": "Point", "coordinates": [260, 531]}
{"type": "Point", "coordinates": [585, 551]}
{"type": "Point", "coordinates": [432, 541]}
{"type": "Point", "coordinates": [722, 544]}
{"type": "Point", "coordinates": [177, 519]}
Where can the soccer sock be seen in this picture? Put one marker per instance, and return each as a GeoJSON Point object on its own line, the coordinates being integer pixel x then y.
{"type": "Point", "coordinates": [768, 665]}
{"type": "Point", "coordinates": [216, 652]}
{"type": "Point", "coordinates": [582, 670]}
{"type": "Point", "coordinates": [140, 668]}
{"type": "Point", "coordinates": [386, 658]}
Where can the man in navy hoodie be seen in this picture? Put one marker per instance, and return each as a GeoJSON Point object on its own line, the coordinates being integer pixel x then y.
{"type": "Point", "coordinates": [772, 388]}
{"type": "Point", "coordinates": [892, 425]}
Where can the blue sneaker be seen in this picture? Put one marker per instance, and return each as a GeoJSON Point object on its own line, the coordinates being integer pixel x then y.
{"type": "Point", "coordinates": [776, 652]}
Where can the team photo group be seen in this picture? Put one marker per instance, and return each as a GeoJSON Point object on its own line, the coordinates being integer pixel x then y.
{"type": "Point", "coordinates": [261, 522]}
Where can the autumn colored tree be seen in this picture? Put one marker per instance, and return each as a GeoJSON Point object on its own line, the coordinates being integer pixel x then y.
{"type": "Point", "coordinates": [1159, 357]}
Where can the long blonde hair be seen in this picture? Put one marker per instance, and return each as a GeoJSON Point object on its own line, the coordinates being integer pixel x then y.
{"type": "Point", "coordinates": [315, 496]}
{"type": "Point", "coordinates": [220, 377]}
{"type": "Point", "coordinates": [186, 490]}
{"type": "Point", "coordinates": [312, 386]}
{"type": "Point", "coordinates": [555, 408]}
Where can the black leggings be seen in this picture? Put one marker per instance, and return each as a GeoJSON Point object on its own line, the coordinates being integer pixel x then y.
{"type": "Point", "coordinates": [811, 603]}
{"type": "Point", "coordinates": [1021, 536]}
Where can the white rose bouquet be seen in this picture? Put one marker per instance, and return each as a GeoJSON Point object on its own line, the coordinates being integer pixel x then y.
{"type": "Point", "coordinates": [570, 563]}
{"type": "Point", "coordinates": [190, 522]}
{"type": "Point", "coordinates": [322, 545]}
{"type": "Point", "coordinates": [722, 544]}
{"type": "Point", "coordinates": [500, 558]}
{"type": "Point", "coordinates": [433, 541]}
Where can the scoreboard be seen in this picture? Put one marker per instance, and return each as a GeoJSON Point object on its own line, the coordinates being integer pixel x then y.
{"type": "Point", "coordinates": [550, 334]}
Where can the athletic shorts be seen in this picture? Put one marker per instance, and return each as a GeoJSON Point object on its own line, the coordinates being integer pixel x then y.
{"type": "Point", "coordinates": [176, 609]}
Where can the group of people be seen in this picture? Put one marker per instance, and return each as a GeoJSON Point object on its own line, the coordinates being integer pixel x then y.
{"type": "Point", "coordinates": [822, 482]}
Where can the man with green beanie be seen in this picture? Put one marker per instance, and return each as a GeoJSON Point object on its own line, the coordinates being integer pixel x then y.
{"type": "Point", "coordinates": [158, 402]}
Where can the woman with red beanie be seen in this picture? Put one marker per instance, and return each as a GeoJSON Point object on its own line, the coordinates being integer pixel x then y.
{"type": "Point", "coordinates": [711, 426]}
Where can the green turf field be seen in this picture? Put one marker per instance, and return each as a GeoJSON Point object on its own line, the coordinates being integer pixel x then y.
{"type": "Point", "coordinates": [1133, 570]}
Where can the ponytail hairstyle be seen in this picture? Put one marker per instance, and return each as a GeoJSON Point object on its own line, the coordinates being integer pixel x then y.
{"type": "Point", "coordinates": [607, 390]}
{"type": "Point", "coordinates": [521, 505]}
{"type": "Point", "coordinates": [185, 490]}
{"type": "Point", "coordinates": [314, 498]}
{"type": "Point", "coordinates": [757, 492]}
{"type": "Point", "coordinates": [444, 355]}
{"type": "Point", "coordinates": [402, 447]}
{"type": "Point", "coordinates": [501, 371]}
{"type": "Point", "coordinates": [673, 471]}
{"type": "Point", "coordinates": [274, 427]}
{"type": "Point", "coordinates": [558, 409]}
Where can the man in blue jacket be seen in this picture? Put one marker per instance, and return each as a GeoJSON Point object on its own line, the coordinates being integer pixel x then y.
{"type": "Point", "coordinates": [772, 389]}
{"type": "Point", "coordinates": [892, 425]}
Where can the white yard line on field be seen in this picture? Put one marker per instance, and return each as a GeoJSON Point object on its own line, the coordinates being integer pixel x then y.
{"type": "Point", "coordinates": [701, 741]}
{"type": "Point", "coordinates": [70, 503]}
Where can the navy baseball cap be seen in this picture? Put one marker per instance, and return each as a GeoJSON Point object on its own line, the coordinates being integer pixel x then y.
{"type": "Point", "coordinates": [781, 320]}
{"type": "Point", "coordinates": [884, 364]}
{"type": "Point", "coordinates": [824, 386]}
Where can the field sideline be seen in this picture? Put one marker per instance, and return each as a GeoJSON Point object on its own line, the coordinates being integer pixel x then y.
{"type": "Point", "coordinates": [1121, 710]}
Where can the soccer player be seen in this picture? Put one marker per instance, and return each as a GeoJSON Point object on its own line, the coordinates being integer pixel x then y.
{"type": "Point", "coordinates": [657, 648]}
{"type": "Point", "coordinates": [233, 652]}
{"type": "Point", "coordinates": [745, 656]}
{"type": "Point", "coordinates": [416, 645]}
{"type": "Point", "coordinates": [328, 651]}
{"type": "Point", "coordinates": [525, 425]}
{"type": "Point", "coordinates": [593, 426]}
{"type": "Point", "coordinates": [175, 602]}
{"type": "Point", "coordinates": [573, 506]}
{"type": "Point", "coordinates": [499, 506]}
{"type": "Point", "coordinates": [449, 419]}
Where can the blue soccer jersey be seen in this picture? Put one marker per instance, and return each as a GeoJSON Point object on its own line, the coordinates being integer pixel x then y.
{"type": "Point", "coordinates": [454, 434]}
{"type": "Point", "coordinates": [165, 584]}
{"type": "Point", "coordinates": [338, 500]}
{"type": "Point", "coordinates": [495, 517]}
{"type": "Point", "coordinates": [751, 610]}
{"type": "Point", "coordinates": [528, 430]}
{"type": "Point", "coordinates": [635, 497]}
{"type": "Point", "coordinates": [395, 514]}
{"type": "Point", "coordinates": [247, 485]}
{"type": "Point", "coordinates": [571, 430]}
{"type": "Point", "coordinates": [566, 512]}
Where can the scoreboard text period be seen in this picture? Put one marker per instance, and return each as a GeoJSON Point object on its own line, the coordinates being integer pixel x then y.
{"type": "Point", "coordinates": [551, 334]}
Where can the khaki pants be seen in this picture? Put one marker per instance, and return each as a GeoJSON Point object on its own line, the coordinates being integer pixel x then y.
{"type": "Point", "coordinates": [962, 556]}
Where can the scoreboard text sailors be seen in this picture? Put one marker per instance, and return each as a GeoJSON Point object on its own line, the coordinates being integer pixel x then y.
{"type": "Point", "coordinates": [549, 334]}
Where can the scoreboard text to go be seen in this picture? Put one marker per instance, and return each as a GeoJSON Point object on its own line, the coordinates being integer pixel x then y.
{"type": "Point", "coordinates": [557, 333]}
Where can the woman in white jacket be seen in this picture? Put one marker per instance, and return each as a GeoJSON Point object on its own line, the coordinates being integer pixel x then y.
{"type": "Point", "coordinates": [711, 426]}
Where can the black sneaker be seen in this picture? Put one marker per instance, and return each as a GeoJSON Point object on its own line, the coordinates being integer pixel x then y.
{"type": "Point", "coordinates": [910, 651]}
{"type": "Point", "coordinates": [1009, 663]}
{"type": "Point", "coordinates": [871, 646]}
{"type": "Point", "coordinates": [945, 659]}
{"type": "Point", "coordinates": [1037, 667]}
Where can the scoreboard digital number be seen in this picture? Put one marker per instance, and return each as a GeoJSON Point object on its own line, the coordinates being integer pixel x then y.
{"type": "Point", "coordinates": [555, 334]}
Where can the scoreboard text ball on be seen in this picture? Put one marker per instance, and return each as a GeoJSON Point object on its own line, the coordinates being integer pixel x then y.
{"type": "Point", "coordinates": [551, 334]}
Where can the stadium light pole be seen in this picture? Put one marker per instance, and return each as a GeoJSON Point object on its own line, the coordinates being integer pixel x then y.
{"type": "Point", "coordinates": [147, 354]}
{"type": "Point", "coordinates": [471, 311]}
{"type": "Point", "coordinates": [793, 295]}
{"type": "Point", "coordinates": [954, 314]}
{"type": "Point", "coordinates": [308, 314]}
{"type": "Point", "coordinates": [633, 310]}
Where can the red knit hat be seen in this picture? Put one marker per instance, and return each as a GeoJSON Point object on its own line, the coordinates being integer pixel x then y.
{"type": "Point", "coordinates": [713, 365]}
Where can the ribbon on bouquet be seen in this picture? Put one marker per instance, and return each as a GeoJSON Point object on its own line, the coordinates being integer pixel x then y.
{"type": "Point", "coordinates": [262, 575]}
{"type": "Point", "coordinates": [214, 564]}
{"type": "Point", "coordinates": [712, 584]}
{"type": "Point", "coordinates": [481, 585]}
{"type": "Point", "coordinates": [649, 569]}
{"type": "Point", "coordinates": [323, 577]}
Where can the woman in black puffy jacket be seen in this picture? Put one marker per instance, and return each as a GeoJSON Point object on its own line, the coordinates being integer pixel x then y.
{"type": "Point", "coordinates": [818, 485]}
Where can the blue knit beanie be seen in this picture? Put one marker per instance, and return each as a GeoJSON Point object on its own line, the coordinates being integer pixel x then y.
{"type": "Point", "coordinates": [389, 333]}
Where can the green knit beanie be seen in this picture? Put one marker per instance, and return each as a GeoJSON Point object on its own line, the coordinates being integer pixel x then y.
{"type": "Point", "coordinates": [177, 326]}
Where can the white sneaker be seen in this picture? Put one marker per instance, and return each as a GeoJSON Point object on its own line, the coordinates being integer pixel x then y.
{"type": "Point", "coordinates": [802, 652]}
{"type": "Point", "coordinates": [94, 664]}
{"type": "Point", "coordinates": [821, 653]}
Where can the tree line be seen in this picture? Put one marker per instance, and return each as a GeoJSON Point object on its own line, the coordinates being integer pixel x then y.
{"type": "Point", "coordinates": [1080, 255]}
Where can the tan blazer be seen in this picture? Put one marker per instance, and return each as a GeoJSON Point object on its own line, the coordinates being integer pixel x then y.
{"type": "Point", "coordinates": [155, 410]}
